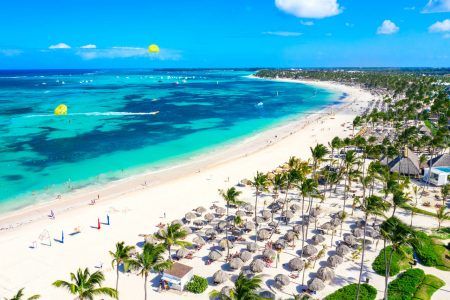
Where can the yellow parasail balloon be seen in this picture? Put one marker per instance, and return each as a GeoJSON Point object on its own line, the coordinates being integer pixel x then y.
{"type": "Point", "coordinates": [61, 110]}
{"type": "Point", "coordinates": [153, 48]}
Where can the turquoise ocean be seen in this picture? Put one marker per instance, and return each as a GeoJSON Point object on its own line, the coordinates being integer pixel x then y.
{"type": "Point", "coordinates": [123, 122]}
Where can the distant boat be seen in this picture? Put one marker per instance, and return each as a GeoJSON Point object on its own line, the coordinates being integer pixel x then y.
{"type": "Point", "coordinates": [260, 104]}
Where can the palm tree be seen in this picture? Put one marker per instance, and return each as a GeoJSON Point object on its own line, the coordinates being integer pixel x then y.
{"type": "Point", "coordinates": [20, 296]}
{"type": "Point", "coordinates": [85, 285]}
{"type": "Point", "coordinates": [308, 188]}
{"type": "Point", "coordinates": [121, 255]}
{"type": "Point", "coordinates": [259, 183]}
{"type": "Point", "coordinates": [372, 205]}
{"type": "Point", "coordinates": [150, 260]}
{"type": "Point", "coordinates": [318, 154]}
{"type": "Point", "coordinates": [399, 198]}
{"type": "Point", "coordinates": [350, 161]}
{"type": "Point", "coordinates": [172, 235]}
{"type": "Point", "coordinates": [245, 288]}
{"type": "Point", "coordinates": [445, 192]}
{"type": "Point", "coordinates": [441, 215]}
{"type": "Point", "coordinates": [399, 234]}
{"type": "Point", "coordinates": [230, 196]}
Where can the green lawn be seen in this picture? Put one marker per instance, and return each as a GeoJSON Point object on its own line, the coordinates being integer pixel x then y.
{"type": "Point", "coordinates": [442, 234]}
{"type": "Point", "coordinates": [348, 292]}
{"type": "Point", "coordinates": [429, 285]}
{"type": "Point", "coordinates": [431, 252]}
{"type": "Point", "coordinates": [400, 261]}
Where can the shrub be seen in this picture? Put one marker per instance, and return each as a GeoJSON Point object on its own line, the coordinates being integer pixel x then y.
{"type": "Point", "coordinates": [406, 284]}
{"type": "Point", "coordinates": [400, 261]}
{"type": "Point", "coordinates": [430, 284]}
{"type": "Point", "coordinates": [197, 285]}
{"type": "Point", "coordinates": [425, 250]}
{"type": "Point", "coordinates": [348, 292]}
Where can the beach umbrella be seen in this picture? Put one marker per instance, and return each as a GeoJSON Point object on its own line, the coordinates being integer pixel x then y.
{"type": "Point", "coordinates": [249, 207]}
{"type": "Point", "coordinates": [315, 212]}
{"type": "Point", "coordinates": [273, 224]}
{"type": "Point", "coordinates": [249, 226]}
{"type": "Point", "coordinates": [181, 253]}
{"type": "Point", "coordinates": [358, 232]}
{"type": "Point", "coordinates": [280, 244]}
{"type": "Point", "coordinates": [350, 240]}
{"type": "Point", "coordinates": [199, 241]}
{"type": "Point", "coordinates": [288, 214]}
{"type": "Point", "coordinates": [265, 294]}
{"type": "Point", "coordinates": [236, 263]}
{"type": "Point", "coordinates": [200, 210]}
{"type": "Point", "coordinates": [296, 264]}
{"type": "Point", "coordinates": [220, 211]}
{"type": "Point", "coordinates": [257, 265]}
{"type": "Point", "coordinates": [211, 232]}
{"type": "Point", "coordinates": [225, 291]}
{"type": "Point", "coordinates": [61, 110]}
{"type": "Point", "coordinates": [224, 242]}
{"type": "Point", "coordinates": [290, 236]}
{"type": "Point", "coordinates": [297, 228]}
{"type": "Point", "coordinates": [295, 207]}
{"type": "Point", "coordinates": [263, 234]}
{"type": "Point", "coordinates": [221, 225]}
{"type": "Point", "coordinates": [220, 277]}
{"type": "Point", "coordinates": [98, 223]}
{"type": "Point", "coordinates": [240, 213]}
{"type": "Point", "coordinates": [317, 239]}
{"type": "Point", "coordinates": [198, 223]}
{"type": "Point", "coordinates": [326, 226]}
{"type": "Point", "coordinates": [189, 216]}
{"type": "Point", "coordinates": [252, 247]}
{"type": "Point", "coordinates": [269, 254]}
{"type": "Point", "coordinates": [187, 229]}
{"type": "Point", "coordinates": [309, 250]}
{"type": "Point", "coordinates": [214, 255]}
{"type": "Point", "coordinates": [150, 239]}
{"type": "Point", "coordinates": [209, 217]}
{"type": "Point", "coordinates": [259, 220]}
{"type": "Point", "coordinates": [342, 250]}
{"type": "Point", "coordinates": [325, 273]}
{"type": "Point", "coordinates": [266, 215]}
{"type": "Point", "coordinates": [245, 256]}
{"type": "Point", "coordinates": [281, 281]}
{"type": "Point", "coordinates": [334, 260]}
{"type": "Point", "coordinates": [177, 222]}
{"type": "Point", "coordinates": [335, 222]}
{"type": "Point", "coordinates": [316, 285]}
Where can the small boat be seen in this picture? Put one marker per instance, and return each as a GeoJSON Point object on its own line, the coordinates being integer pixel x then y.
{"type": "Point", "coordinates": [260, 104]}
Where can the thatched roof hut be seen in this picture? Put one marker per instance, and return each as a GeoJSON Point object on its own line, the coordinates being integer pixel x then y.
{"type": "Point", "coordinates": [224, 243]}
{"type": "Point", "coordinates": [199, 241]}
{"type": "Point", "coordinates": [325, 273]}
{"type": "Point", "coordinates": [334, 260]}
{"type": "Point", "coordinates": [269, 254]}
{"type": "Point", "coordinates": [442, 160]}
{"type": "Point", "coordinates": [309, 250]}
{"type": "Point", "coordinates": [296, 264]}
{"type": "Point", "coordinates": [220, 277]}
{"type": "Point", "coordinates": [252, 247]}
{"type": "Point", "coordinates": [407, 163]}
{"type": "Point", "coordinates": [220, 211]}
{"type": "Point", "coordinates": [281, 281]}
{"type": "Point", "coordinates": [257, 265]}
{"type": "Point", "coordinates": [350, 240]}
{"type": "Point", "coordinates": [317, 239]}
{"type": "Point", "coordinates": [263, 234]}
{"type": "Point", "coordinates": [214, 255]}
{"type": "Point", "coordinates": [200, 210]}
{"type": "Point", "coordinates": [245, 255]}
{"type": "Point", "coordinates": [209, 217]}
{"type": "Point", "coordinates": [342, 250]}
{"type": "Point", "coordinates": [189, 216]}
{"type": "Point", "coordinates": [236, 263]}
{"type": "Point", "coordinates": [316, 285]}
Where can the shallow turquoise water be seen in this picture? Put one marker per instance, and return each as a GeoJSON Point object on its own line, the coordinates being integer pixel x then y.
{"type": "Point", "coordinates": [122, 122]}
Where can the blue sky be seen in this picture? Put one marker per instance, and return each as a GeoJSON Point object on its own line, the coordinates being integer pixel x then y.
{"type": "Point", "coordinates": [224, 33]}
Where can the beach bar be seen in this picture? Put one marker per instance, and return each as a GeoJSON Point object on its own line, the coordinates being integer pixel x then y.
{"type": "Point", "coordinates": [178, 276]}
{"type": "Point", "coordinates": [438, 176]}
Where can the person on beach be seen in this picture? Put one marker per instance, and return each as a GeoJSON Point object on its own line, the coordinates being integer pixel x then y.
{"type": "Point", "coordinates": [52, 215]}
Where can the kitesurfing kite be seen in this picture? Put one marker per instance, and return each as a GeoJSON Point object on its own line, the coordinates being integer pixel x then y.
{"type": "Point", "coordinates": [61, 110]}
{"type": "Point", "coordinates": [153, 48]}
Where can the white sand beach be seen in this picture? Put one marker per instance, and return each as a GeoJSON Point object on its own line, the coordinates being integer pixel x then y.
{"type": "Point", "coordinates": [135, 208]}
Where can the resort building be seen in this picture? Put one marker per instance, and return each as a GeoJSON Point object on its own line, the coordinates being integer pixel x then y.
{"type": "Point", "coordinates": [406, 164]}
{"type": "Point", "coordinates": [177, 276]}
{"type": "Point", "coordinates": [438, 175]}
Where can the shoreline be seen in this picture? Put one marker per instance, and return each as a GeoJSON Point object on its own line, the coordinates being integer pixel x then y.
{"type": "Point", "coordinates": [215, 156]}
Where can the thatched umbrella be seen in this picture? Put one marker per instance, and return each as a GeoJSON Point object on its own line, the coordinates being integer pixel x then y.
{"type": "Point", "coordinates": [220, 277]}
{"type": "Point", "coordinates": [288, 214]}
{"type": "Point", "coordinates": [189, 216]}
{"type": "Point", "coordinates": [221, 225]}
{"type": "Point", "coordinates": [224, 242]}
{"type": "Point", "coordinates": [181, 253]}
{"type": "Point", "coordinates": [249, 208]}
{"type": "Point", "coordinates": [249, 226]}
{"type": "Point", "coordinates": [252, 247]}
{"type": "Point", "coordinates": [269, 254]}
{"type": "Point", "coordinates": [316, 285]}
{"type": "Point", "coordinates": [211, 232]}
{"type": "Point", "coordinates": [358, 232]}
{"type": "Point", "coordinates": [290, 236]}
{"type": "Point", "coordinates": [257, 265]}
{"type": "Point", "coordinates": [198, 223]}
{"type": "Point", "coordinates": [187, 229]}
{"type": "Point", "coordinates": [259, 220]}
{"type": "Point", "coordinates": [281, 281]}
{"type": "Point", "coordinates": [199, 241]}
{"type": "Point", "coordinates": [350, 240]}
{"type": "Point", "coordinates": [150, 239]}
{"type": "Point", "coordinates": [325, 273]}
{"type": "Point", "coordinates": [296, 264]}
{"type": "Point", "coordinates": [177, 222]}
{"type": "Point", "coordinates": [334, 260]}
{"type": "Point", "coordinates": [309, 250]}
{"type": "Point", "coordinates": [335, 222]}
{"type": "Point", "coordinates": [297, 228]}
{"type": "Point", "coordinates": [315, 212]}
{"type": "Point", "coordinates": [200, 210]}
{"type": "Point", "coordinates": [280, 244]}
{"type": "Point", "coordinates": [214, 255]}
{"type": "Point", "coordinates": [342, 250]}
{"type": "Point", "coordinates": [266, 294]}
{"type": "Point", "coordinates": [209, 217]}
{"type": "Point", "coordinates": [220, 211]}
{"type": "Point", "coordinates": [272, 224]}
{"type": "Point", "coordinates": [360, 223]}
{"type": "Point", "coordinates": [236, 263]}
{"type": "Point", "coordinates": [263, 234]}
{"type": "Point", "coordinates": [245, 255]}
{"type": "Point", "coordinates": [240, 213]}
{"type": "Point", "coordinates": [295, 207]}
{"type": "Point", "coordinates": [317, 239]}
{"type": "Point", "coordinates": [226, 291]}
{"type": "Point", "coordinates": [326, 226]}
{"type": "Point", "coordinates": [266, 215]}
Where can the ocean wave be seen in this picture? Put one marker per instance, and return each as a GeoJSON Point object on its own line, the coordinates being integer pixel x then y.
{"type": "Point", "coordinates": [108, 113]}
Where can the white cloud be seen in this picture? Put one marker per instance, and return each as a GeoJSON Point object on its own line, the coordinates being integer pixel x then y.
{"type": "Point", "coordinates": [387, 27]}
{"type": "Point", "coordinates": [59, 46]}
{"type": "Point", "coordinates": [436, 6]}
{"type": "Point", "coordinates": [10, 52]}
{"type": "Point", "coordinates": [89, 46]}
{"type": "Point", "coordinates": [127, 52]}
{"type": "Point", "coordinates": [309, 8]}
{"type": "Point", "coordinates": [443, 26]}
{"type": "Point", "coordinates": [283, 33]}
{"type": "Point", "coordinates": [307, 23]}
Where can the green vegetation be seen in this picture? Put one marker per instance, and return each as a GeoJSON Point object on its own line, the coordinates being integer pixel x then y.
{"type": "Point", "coordinates": [414, 284]}
{"type": "Point", "coordinates": [348, 292]}
{"type": "Point", "coordinates": [430, 252]}
{"type": "Point", "coordinates": [197, 285]}
{"type": "Point", "coordinates": [442, 234]}
{"type": "Point", "coordinates": [400, 260]}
